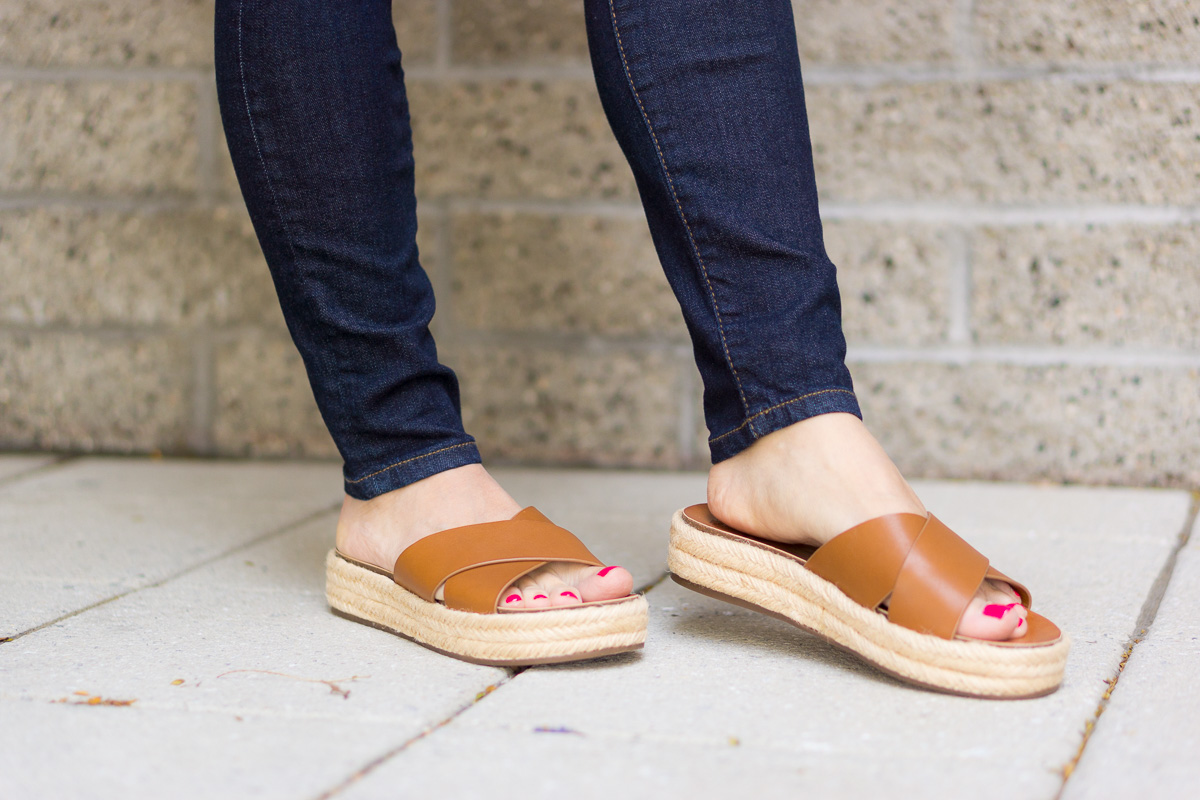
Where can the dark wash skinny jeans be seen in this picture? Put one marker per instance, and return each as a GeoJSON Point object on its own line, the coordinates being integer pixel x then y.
{"type": "Point", "coordinates": [706, 100]}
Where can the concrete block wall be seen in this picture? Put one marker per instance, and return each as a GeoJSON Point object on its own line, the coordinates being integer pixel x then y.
{"type": "Point", "coordinates": [1011, 190]}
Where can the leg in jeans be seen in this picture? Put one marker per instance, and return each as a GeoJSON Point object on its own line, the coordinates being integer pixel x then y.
{"type": "Point", "coordinates": [707, 102]}
{"type": "Point", "coordinates": [314, 108]}
{"type": "Point", "coordinates": [313, 102]}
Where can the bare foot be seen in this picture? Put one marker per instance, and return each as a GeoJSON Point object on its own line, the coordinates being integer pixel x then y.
{"type": "Point", "coordinates": [812, 480]}
{"type": "Point", "coordinates": [377, 531]}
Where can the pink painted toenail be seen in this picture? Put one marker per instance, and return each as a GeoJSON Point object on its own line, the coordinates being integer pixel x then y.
{"type": "Point", "coordinates": [605, 571]}
{"type": "Point", "coordinates": [568, 594]}
{"type": "Point", "coordinates": [539, 597]}
{"type": "Point", "coordinates": [512, 598]}
{"type": "Point", "coordinates": [997, 611]}
{"type": "Point", "coordinates": [1020, 622]}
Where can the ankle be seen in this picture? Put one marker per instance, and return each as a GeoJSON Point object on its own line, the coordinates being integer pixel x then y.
{"type": "Point", "coordinates": [379, 529]}
{"type": "Point", "coordinates": [809, 481]}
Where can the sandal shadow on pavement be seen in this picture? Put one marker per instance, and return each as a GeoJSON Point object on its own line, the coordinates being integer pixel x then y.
{"type": "Point", "coordinates": [472, 566]}
{"type": "Point", "coordinates": [924, 573]}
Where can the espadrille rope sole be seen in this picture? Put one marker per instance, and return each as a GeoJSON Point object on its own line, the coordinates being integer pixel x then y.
{"type": "Point", "coordinates": [505, 640]}
{"type": "Point", "coordinates": [772, 583]}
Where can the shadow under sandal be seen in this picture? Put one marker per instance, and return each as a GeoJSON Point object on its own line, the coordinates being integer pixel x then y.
{"type": "Point", "coordinates": [890, 590]}
{"type": "Point", "coordinates": [473, 565]}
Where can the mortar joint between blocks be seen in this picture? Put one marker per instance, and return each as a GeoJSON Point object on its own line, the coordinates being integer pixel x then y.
{"type": "Point", "coordinates": [958, 314]}
{"type": "Point", "coordinates": [445, 39]}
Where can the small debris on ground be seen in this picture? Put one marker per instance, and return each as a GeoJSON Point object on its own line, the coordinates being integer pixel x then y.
{"type": "Point", "coordinates": [177, 682]}
{"type": "Point", "coordinates": [332, 684]}
{"type": "Point", "coordinates": [92, 700]}
{"type": "Point", "coordinates": [557, 729]}
{"type": "Point", "coordinates": [485, 693]}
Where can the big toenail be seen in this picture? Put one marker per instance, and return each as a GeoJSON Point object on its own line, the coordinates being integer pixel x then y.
{"type": "Point", "coordinates": [997, 611]}
{"type": "Point", "coordinates": [605, 571]}
{"type": "Point", "coordinates": [569, 594]}
{"type": "Point", "coordinates": [512, 598]}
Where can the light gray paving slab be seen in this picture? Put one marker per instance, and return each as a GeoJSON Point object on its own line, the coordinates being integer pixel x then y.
{"type": "Point", "coordinates": [99, 526]}
{"type": "Point", "coordinates": [1047, 511]}
{"type": "Point", "coordinates": [712, 672]}
{"type": "Point", "coordinates": [245, 685]}
{"type": "Point", "coordinates": [12, 466]}
{"type": "Point", "coordinates": [1146, 741]}
{"type": "Point", "coordinates": [97, 753]}
{"type": "Point", "coordinates": [224, 628]}
{"type": "Point", "coordinates": [550, 764]}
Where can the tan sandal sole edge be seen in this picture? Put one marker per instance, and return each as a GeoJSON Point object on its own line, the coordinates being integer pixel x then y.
{"type": "Point", "coordinates": [776, 585]}
{"type": "Point", "coordinates": [552, 636]}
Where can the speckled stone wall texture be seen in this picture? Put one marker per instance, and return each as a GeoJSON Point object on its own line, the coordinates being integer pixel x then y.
{"type": "Point", "coordinates": [1011, 191]}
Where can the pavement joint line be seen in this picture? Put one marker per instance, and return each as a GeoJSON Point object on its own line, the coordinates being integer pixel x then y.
{"type": "Point", "coordinates": [281, 530]}
{"type": "Point", "coordinates": [654, 584]}
{"type": "Point", "coordinates": [1141, 628]}
{"type": "Point", "coordinates": [59, 461]}
{"type": "Point", "coordinates": [388, 755]}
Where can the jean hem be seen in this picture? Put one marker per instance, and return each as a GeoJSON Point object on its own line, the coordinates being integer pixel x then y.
{"type": "Point", "coordinates": [781, 415]}
{"type": "Point", "coordinates": [411, 470]}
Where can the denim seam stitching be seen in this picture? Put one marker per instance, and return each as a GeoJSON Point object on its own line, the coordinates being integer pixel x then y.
{"type": "Point", "coordinates": [774, 408]}
{"type": "Point", "coordinates": [410, 460]}
{"type": "Point", "coordinates": [287, 233]}
{"type": "Point", "coordinates": [254, 135]}
{"type": "Point", "coordinates": [662, 162]}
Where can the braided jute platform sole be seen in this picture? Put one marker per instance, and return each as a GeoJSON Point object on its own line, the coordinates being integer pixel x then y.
{"type": "Point", "coordinates": [779, 586]}
{"type": "Point", "coordinates": [512, 639]}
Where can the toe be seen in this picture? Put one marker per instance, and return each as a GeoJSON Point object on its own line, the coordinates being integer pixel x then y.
{"type": "Point", "coordinates": [560, 591]}
{"type": "Point", "coordinates": [512, 598]}
{"type": "Point", "coordinates": [564, 594]}
{"type": "Point", "coordinates": [565, 584]}
{"type": "Point", "coordinates": [995, 613]}
{"type": "Point", "coordinates": [604, 583]}
{"type": "Point", "coordinates": [987, 620]}
{"type": "Point", "coordinates": [536, 596]}
{"type": "Point", "coordinates": [534, 593]}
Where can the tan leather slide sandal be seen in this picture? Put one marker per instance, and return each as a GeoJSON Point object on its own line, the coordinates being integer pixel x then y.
{"type": "Point", "coordinates": [890, 590]}
{"type": "Point", "coordinates": [472, 566]}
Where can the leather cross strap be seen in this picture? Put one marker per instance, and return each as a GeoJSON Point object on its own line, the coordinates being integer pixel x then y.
{"type": "Point", "coordinates": [475, 563]}
{"type": "Point", "coordinates": [925, 571]}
